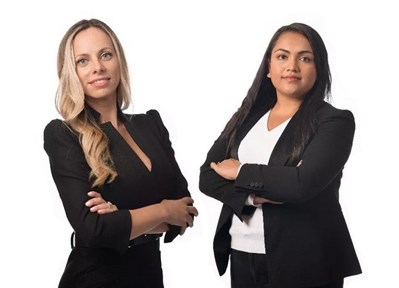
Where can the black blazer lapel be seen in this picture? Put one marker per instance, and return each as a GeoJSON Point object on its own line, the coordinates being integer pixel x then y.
{"type": "Point", "coordinates": [281, 151]}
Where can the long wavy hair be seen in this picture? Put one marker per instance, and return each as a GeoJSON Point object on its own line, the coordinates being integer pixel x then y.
{"type": "Point", "coordinates": [262, 91]}
{"type": "Point", "coordinates": [70, 101]}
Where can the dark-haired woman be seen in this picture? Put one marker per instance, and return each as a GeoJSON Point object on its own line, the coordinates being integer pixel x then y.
{"type": "Point", "coordinates": [277, 168]}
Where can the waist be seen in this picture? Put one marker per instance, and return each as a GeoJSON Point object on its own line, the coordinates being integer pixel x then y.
{"type": "Point", "coordinates": [145, 238]}
{"type": "Point", "coordinates": [249, 235]}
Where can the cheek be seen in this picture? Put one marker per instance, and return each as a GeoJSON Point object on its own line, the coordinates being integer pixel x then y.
{"type": "Point", "coordinates": [81, 75]}
{"type": "Point", "coordinates": [117, 75]}
{"type": "Point", "coordinates": [311, 76]}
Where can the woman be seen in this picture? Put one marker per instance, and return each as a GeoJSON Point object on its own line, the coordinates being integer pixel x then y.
{"type": "Point", "coordinates": [115, 173]}
{"type": "Point", "coordinates": [277, 168]}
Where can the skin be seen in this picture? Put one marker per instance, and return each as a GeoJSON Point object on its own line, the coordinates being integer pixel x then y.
{"type": "Point", "coordinates": [293, 73]}
{"type": "Point", "coordinates": [98, 70]}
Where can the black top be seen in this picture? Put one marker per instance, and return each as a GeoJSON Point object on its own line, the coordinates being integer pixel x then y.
{"type": "Point", "coordinates": [134, 187]}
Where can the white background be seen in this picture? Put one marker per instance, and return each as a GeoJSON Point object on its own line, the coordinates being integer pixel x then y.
{"type": "Point", "coordinates": [194, 61]}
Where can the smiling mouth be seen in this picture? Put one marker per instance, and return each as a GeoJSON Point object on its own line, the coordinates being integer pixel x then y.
{"type": "Point", "coordinates": [99, 81]}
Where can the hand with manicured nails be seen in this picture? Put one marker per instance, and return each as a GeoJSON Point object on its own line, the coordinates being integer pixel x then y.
{"type": "Point", "coordinates": [97, 204]}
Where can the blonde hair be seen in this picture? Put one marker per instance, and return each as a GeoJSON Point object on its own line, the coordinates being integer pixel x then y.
{"type": "Point", "coordinates": [70, 101]}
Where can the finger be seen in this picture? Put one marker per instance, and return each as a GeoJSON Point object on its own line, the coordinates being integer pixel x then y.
{"type": "Point", "coordinates": [106, 207]}
{"type": "Point", "coordinates": [275, 202]}
{"type": "Point", "coordinates": [101, 208]}
{"type": "Point", "coordinates": [190, 220]}
{"type": "Point", "coordinates": [188, 200]}
{"type": "Point", "coordinates": [94, 201]}
{"type": "Point", "coordinates": [94, 194]}
{"type": "Point", "coordinates": [192, 210]}
{"type": "Point", "coordinates": [183, 229]}
{"type": "Point", "coordinates": [109, 206]}
{"type": "Point", "coordinates": [214, 165]}
{"type": "Point", "coordinates": [90, 203]}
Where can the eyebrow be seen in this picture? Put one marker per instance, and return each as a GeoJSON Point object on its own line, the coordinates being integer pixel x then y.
{"type": "Point", "coordinates": [286, 51]}
{"type": "Point", "coordinates": [99, 52]}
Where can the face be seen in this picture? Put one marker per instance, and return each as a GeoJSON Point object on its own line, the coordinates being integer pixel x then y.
{"type": "Point", "coordinates": [97, 65]}
{"type": "Point", "coordinates": [291, 68]}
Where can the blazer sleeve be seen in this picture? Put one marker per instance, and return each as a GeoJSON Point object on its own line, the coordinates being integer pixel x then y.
{"type": "Point", "coordinates": [182, 185]}
{"type": "Point", "coordinates": [70, 172]}
{"type": "Point", "coordinates": [215, 186]}
{"type": "Point", "coordinates": [323, 160]}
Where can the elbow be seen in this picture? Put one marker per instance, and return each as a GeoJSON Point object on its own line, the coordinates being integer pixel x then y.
{"type": "Point", "coordinates": [203, 181]}
{"type": "Point", "coordinates": [300, 197]}
{"type": "Point", "coordinates": [203, 187]}
{"type": "Point", "coordinates": [90, 233]}
{"type": "Point", "coordinates": [302, 194]}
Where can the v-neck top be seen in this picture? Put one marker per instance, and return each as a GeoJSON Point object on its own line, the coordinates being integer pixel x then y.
{"type": "Point", "coordinates": [134, 187]}
{"type": "Point", "coordinates": [255, 148]}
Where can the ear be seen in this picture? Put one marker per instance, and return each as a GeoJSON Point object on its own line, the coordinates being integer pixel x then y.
{"type": "Point", "coordinates": [268, 69]}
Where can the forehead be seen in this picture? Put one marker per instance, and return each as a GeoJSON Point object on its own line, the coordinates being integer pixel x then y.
{"type": "Point", "coordinates": [91, 39]}
{"type": "Point", "coordinates": [292, 41]}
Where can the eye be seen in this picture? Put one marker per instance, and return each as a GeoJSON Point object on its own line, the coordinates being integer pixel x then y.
{"type": "Point", "coordinates": [82, 62]}
{"type": "Point", "coordinates": [306, 59]}
{"type": "Point", "coordinates": [106, 56]}
{"type": "Point", "coordinates": [282, 57]}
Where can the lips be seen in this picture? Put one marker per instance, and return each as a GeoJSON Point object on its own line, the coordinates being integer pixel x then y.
{"type": "Point", "coordinates": [291, 78]}
{"type": "Point", "coordinates": [100, 82]}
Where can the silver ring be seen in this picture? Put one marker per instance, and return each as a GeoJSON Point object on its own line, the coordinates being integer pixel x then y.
{"type": "Point", "coordinates": [109, 205]}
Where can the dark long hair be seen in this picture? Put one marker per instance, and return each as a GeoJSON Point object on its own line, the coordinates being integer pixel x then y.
{"type": "Point", "coordinates": [262, 91]}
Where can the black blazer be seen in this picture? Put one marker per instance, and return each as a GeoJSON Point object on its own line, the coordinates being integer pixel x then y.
{"type": "Point", "coordinates": [306, 238]}
{"type": "Point", "coordinates": [134, 187]}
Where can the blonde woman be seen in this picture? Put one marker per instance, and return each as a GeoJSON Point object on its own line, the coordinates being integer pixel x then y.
{"type": "Point", "coordinates": [116, 174]}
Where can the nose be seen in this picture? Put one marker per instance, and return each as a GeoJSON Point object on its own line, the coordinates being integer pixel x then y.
{"type": "Point", "coordinates": [98, 66]}
{"type": "Point", "coordinates": [292, 64]}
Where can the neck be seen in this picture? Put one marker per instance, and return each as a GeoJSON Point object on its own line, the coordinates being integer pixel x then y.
{"type": "Point", "coordinates": [107, 109]}
{"type": "Point", "coordinates": [287, 106]}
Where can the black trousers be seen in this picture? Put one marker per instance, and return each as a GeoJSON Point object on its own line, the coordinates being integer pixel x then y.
{"type": "Point", "coordinates": [140, 266]}
{"type": "Point", "coordinates": [249, 270]}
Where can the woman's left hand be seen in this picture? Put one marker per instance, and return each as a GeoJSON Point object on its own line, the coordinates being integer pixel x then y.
{"type": "Point", "coordinates": [228, 168]}
{"type": "Point", "coordinates": [260, 200]}
{"type": "Point", "coordinates": [98, 205]}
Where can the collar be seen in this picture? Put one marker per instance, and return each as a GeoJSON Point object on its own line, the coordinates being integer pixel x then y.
{"type": "Point", "coordinates": [96, 115]}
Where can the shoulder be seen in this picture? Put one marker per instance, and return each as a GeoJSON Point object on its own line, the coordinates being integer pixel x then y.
{"type": "Point", "coordinates": [58, 128]}
{"type": "Point", "coordinates": [327, 110]}
{"type": "Point", "coordinates": [53, 126]}
{"type": "Point", "coordinates": [332, 118]}
{"type": "Point", "coordinates": [151, 118]}
{"type": "Point", "coordinates": [149, 115]}
{"type": "Point", "coordinates": [57, 134]}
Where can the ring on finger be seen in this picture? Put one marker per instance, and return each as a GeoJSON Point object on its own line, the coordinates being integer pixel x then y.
{"type": "Point", "coordinates": [109, 204]}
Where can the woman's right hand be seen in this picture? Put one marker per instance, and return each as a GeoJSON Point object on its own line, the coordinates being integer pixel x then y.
{"type": "Point", "coordinates": [180, 212]}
